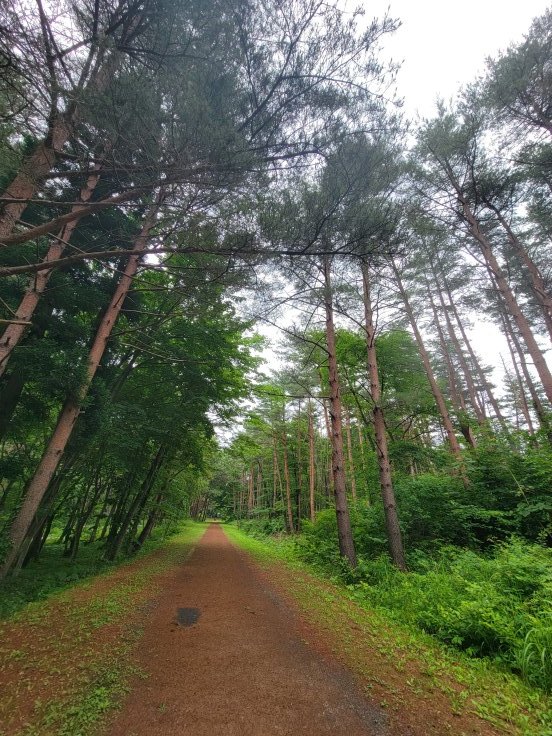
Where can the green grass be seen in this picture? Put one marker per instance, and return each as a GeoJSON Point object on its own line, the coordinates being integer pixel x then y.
{"type": "Point", "coordinates": [481, 685]}
{"type": "Point", "coordinates": [53, 573]}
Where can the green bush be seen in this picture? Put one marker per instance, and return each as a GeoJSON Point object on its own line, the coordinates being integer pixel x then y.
{"type": "Point", "coordinates": [496, 605]}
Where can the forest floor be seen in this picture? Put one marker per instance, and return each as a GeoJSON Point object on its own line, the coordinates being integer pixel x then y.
{"type": "Point", "coordinates": [221, 642]}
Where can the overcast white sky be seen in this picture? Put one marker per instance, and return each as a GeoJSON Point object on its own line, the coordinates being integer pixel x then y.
{"type": "Point", "coordinates": [443, 45]}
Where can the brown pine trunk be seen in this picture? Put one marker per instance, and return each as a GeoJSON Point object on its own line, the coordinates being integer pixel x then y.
{"type": "Point", "coordinates": [97, 72]}
{"type": "Point", "coordinates": [456, 394]}
{"type": "Point", "coordinates": [34, 169]}
{"type": "Point", "coordinates": [24, 313]}
{"type": "Point", "coordinates": [251, 491]}
{"type": "Point", "coordinates": [38, 484]}
{"type": "Point", "coordinates": [287, 484]}
{"type": "Point", "coordinates": [344, 532]}
{"type": "Point", "coordinates": [352, 479]}
{"type": "Point", "coordinates": [472, 393]}
{"type": "Point", "coordinates": [394, 535]}
{"type": "Point", "coordinates": [514, 347]}
{"type": "Point", "coordinates": [361, 443]}
{"type": "Point", "coordinates": [474, 358]}
{"type": "Point", "coordinates": [436, 391]}
{"type": "Point", "coordinates": [312, 468]}
{"type": "Point", "coordinates": [510, 300]}
{"type": "Point", "coordinates": [299, 486]}
{"type": "Point", "coordinates": [537, 281]}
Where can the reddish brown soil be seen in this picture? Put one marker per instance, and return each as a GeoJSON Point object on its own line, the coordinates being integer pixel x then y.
{"type": "Point", "coordinates": [243, 668]}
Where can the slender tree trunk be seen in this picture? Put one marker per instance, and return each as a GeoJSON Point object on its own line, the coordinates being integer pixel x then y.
{"type": "Point", "coordinates": [352, 478]}
{"type": "Point", "coordinates": [251, 491]}
{"type": "Point", "coordinates": [544, 298]}
{"type": "Point", "coordinates": [510, 300]}
{"type": "Point", "coordinates": [150, 522]}
{"type": "Point", "coordinates": [514, 347]}
{"type": "Point", "coordinates": [345, 535]}
{"type": "Point", "coordinates": [35, 167]}
{"type": "Point", "coordinates": [299, 487]}
{"type": "Point", "coordinates": [394, 535]}
{"type": "Point", "coordinates": [312, 467]}
{"type": "Point", "coordinates": [14, 332]}
{"type": "Point", "coordinates": [436, 391]}
{"type": "Point", "coordinates": [287, 483]}
{"type": "Point", "coordinates": [472, 393]}
{"type": "Point", "coordinates": [138, 503]}
{"type": "Point", "coordinates": [475, 359]}
{"type": "Point", "coordinates": [456, 393]}
{"type": "Point", "coordinates": [38, 484]}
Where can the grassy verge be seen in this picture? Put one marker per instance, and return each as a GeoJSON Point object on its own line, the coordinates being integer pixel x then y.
{"type": "Point", "coordinates": [66, 661]}
{"type": "Point", "coordinates": [401, 665]}
{"type": "Point", "coordinates": [52, 573]}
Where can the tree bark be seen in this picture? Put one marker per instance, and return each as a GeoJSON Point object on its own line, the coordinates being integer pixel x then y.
{"type": "Point", "coordinates": [537, 281]}
{"type": "Point", "coordinates": [287, 482]}
{"type": "Point", "coordinates": [37, 166]}
{"type": "Point", "coordinates": [394, 535]}
{"type": "Point", "coordinates": [474, 358]}
{"type": "Point", "coordinates": [510, 300]}
{"type": "Point", "coordinates": [352, 478]}
{"type": "Point", "coordinates": [344, 532]}
{"type": "Point", "coordinates": [472, 393]}
{"type": "Point", "coordinates": [312, 467]}
{"type": "Point", "coordinates": [457, 396]}
{"type": "Point", "coordinates": [436, 391]}
{"type": "Point", "coordinates": [24, 313]}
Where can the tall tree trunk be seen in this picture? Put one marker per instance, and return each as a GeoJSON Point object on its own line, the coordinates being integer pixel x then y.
{"type": "Point", "coordinates": [345, 535]}
{"type": "Point", "coordinates": [436, 391]}
{"type": "Point", "coordinates": [474, 358]}
{"type": "Point", "coordinates": [299, 487]}
{"type": "Point", "coordinates": [38, 484]}
{"type": "Point", "coordinates": [544, 298]}
{"type": "Point", "coordinates": [352, 479]}
{"type": "Point", "coordinates": [509, 299]}
{"type": "Point", "coordinates": [22, 318]}
{"type": "Point", "coordinates": [287, 482]}
{"type": "Point", "coordinates": [472, 393]}
{"type": "Point", "coordinates": [312, 466]}
{"type": "Point", "coordinates": [33, 170]}
{"type": "Point", "coordinates": [394, 535]}
{"type": "Point", "coordinates": [513, 342]}
{"type": "Point", "coordinates": [456, 393]}
{"type": "Point", "coordinates": [150, 523]}
{"type": "Point", "coordinates": [251, 491]}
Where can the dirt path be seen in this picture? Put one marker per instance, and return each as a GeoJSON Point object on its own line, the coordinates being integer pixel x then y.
{"type": "Point", "coordinates": [242, 668]}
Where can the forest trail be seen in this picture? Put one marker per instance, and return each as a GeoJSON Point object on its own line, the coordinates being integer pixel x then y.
{"type": "Point", "coordinates": [243, 667]}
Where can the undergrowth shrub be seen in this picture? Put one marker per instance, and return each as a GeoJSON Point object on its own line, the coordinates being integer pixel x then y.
{"type": "Point", "coordinates": [497, 605]}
